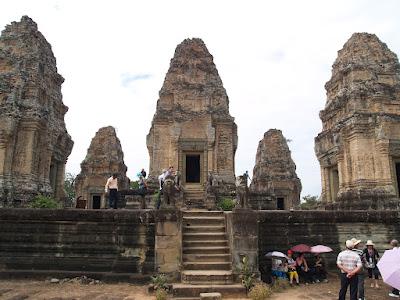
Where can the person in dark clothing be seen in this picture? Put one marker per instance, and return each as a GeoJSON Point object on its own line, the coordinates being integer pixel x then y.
{"type": "Point", "coordinates": [143, 172]}
{"type": "Point", "coordinates": [371, 257]}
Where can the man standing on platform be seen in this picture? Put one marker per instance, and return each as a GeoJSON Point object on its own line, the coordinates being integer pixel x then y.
{"type": "Point", "coordinates": [112, 188]}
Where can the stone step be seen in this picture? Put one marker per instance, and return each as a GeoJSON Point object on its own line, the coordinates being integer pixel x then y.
{"type": "Point", "coordinates": [203, 213]}
{"type": "Point", "coordinates": [205, 250]}
{"type": "Point", "coordinates": [207, 266]}
{"type": "Point", "coordinates": [209, 276]}
{"type": "Point", "coordinates": [193, 291]}
{"type": "Point", "coordinates": [203, 236]}
{"type": "Point", "coordinates": [205, 243]}
{"type": "Point", "coordinates": [207, 257]}
{"type": "Point", "coordinates": [203, 228]}
{"type": "Point", "coordinates": [212, 221]}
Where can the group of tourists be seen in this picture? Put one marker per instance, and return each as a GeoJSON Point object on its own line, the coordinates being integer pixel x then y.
{"type": "Point", "coordinates": [353, 262]}
{"type": "Point", "coordinates": [297, 268]}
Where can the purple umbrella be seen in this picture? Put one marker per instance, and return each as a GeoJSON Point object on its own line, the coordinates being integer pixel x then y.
{"type": "Point", "coordinates": [321, 249]}
{"type": "Point", "coordinates": [389, 266]}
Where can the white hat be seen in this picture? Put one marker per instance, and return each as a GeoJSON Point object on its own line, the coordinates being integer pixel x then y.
{"type": "Point", "coordinates": [355, 241]}
{"type": "Point", "coordinates": [369, 243]}
{"type": "Point", "coordinates": [349, 244]}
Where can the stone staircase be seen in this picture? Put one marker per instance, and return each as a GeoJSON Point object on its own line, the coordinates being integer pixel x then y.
{"type": "Point", "coordinates": [206, 258]}
{"type": "Point", "coordinates": [194, 196]}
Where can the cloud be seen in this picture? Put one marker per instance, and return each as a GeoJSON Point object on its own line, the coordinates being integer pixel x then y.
{"type": "Point", "coordinates": [128, 79]}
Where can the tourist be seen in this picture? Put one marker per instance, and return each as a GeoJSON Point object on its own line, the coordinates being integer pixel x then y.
{"type": "Point", "coordinates": [349, 263]}
{"type": "Point", "coordinates": [361, 273]}
{"type": "Point", "coordinates": [371, 257]}
{"type": "Point", "coordinates": [318, 271]}
{"type": "Point", "coordinates": [170, 171]}
{"type": "Point", "coordinates": [277, 269]}
{"type": "Point", "coordinates": [142, 183]}
{"type": "Point", "coordinates": [143, 172]}
{"type": "Point", "coordinates": [303, 269]}
{"type": "Point", "coordinates": [395, 292]}
{"type": "Point", "coordinates": [161, 179]}
{"type": "Point", "coordinates": [112, 188]}
{"type": "Point", "coordinates": [291, 264]}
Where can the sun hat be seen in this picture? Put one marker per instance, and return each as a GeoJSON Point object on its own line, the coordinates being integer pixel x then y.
{"type": "Point", "coordinates": [355, 241]}
{"type": "Point", "coordinates": [349, 244]}
{"type": "Point", "coordinates": [369, 243]}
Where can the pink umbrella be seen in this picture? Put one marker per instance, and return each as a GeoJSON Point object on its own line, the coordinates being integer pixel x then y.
{"type": "Point", "coordinates": [321, 249]}
{"type": "Point", "coordinates": [301, 248]}
{"type": "Point", "coordinates": [389, 267]}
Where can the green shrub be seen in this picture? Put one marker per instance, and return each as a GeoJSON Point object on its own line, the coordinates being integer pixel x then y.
{"type": "Point", "coordinates": [155, 196]}
{"type": "Point", "coordinates": [280, 284]}
{"type": "Point", "coordinates": [161, 294]}
{"type": "Point", "coordinates": [260, 291]}
{"type": "Point", "coordinates": [135, 185]}
{"type": "Point", "coordinates": [226, 203]}
{"type": "Point", "coordinates": [41, 201]}
{"type": "Point", "coordinates": [246, 274]}
{"type": "Point", "coordinates": [159, 281]}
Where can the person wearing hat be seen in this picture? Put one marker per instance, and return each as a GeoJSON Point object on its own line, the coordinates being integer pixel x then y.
{"type": "Point", "coordinates": [372, 257]}
{"type": "Point", "coordinates": [349, 263]}
{"type": "Point", "coordinates": [361, 273]}
{"type": "Point", "coordinates": [292, 272]}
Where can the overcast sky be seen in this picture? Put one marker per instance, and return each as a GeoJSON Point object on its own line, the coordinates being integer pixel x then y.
{"type": "Point", "coordinates": [274, 58]}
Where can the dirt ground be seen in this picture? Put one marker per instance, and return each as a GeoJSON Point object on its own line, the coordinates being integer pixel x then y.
{"type": "Point", "coordinates": [44, 290]}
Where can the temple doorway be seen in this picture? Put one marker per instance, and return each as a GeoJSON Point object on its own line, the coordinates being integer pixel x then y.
{"type": "Point", "coordinates": [397, 165]}
{"type": "Point", "coordinates": [96, 201]}
{"type": "Point", "coordinates": [280, 203]}
{"type": "Point", "coordinates": [193, 169]}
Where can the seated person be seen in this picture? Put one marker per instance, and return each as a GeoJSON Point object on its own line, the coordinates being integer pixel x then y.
{"type": "Point", "coordinates": [278, 268]}
{"type": "Point", "coordinates": [318, 270]}
{"type": "Point", "coordinates": [291, 264]}
{"type": "Point", "coordinates": [302, 269]}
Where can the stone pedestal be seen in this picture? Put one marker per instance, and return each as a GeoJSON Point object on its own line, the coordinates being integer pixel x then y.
{"type": "Point", "coordinates": [242, 229]}
{"type": "Point", "coordinates": [168, 243]}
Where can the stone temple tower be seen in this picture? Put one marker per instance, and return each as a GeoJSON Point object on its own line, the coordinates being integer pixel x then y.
{"type": "Point", "coordinates": [192, 129]}
{"type": "Point", "coordinates": [34, 143]}
{"type": "Point", "coordinates": [359, 146]}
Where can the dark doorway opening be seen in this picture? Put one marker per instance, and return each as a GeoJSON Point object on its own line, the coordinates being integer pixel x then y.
{"type": "Point", "coordinates": [280, 203]}
{"type": "Point", "coordinates": [96, 202]}
{"type": "Point", "coordinates": [193, 168]}
{"type": "Point", "coordinates": [398, 176]}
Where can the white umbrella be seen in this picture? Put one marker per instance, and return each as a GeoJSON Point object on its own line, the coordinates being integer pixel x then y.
{"type": "Point", "coordinates": [389, 267]}
{"type": "Point", "coordinates": [276, 254]}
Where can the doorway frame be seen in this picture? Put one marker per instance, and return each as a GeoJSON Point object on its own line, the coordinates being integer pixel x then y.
{"type": "Point", "coordinates": [193, 147]}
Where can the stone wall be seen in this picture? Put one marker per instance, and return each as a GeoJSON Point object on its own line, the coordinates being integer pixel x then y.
{"type": "Point", "coordinates": [279, 230]}
{"type": "Point", "coordinates": [77, 240]}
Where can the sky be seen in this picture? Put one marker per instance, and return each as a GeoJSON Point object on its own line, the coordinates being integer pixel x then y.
{"type": "Point", "coordinates": [274, 58]}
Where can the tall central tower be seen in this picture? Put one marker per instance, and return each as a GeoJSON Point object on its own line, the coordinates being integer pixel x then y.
{"type": "Point", "coordinates": [192, 129]}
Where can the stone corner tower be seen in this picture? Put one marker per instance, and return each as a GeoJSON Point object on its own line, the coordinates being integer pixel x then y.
{"type": "Point", "coordinates": [104, 157]}
{"type": "Point", "coordinates": [192, 129]}
{"type": "Point", "coordinates": [359, 146]}
{"type": "Point", "coordinates": [34, 142]}
{"type": "Point", "coordinates": [275, 184]}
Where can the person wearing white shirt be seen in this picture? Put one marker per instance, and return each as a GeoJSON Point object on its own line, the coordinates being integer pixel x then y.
{"type": "Point", "coordinates": [112, 187]}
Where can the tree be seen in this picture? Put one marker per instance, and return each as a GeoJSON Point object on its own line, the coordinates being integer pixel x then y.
{"type": "Point", "coordinates": [69, 188]}
{"type": "Point", "coordinates": [309, 202]}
